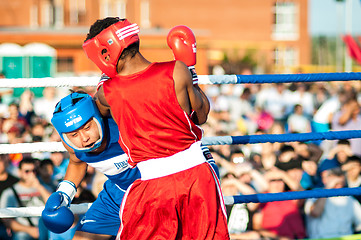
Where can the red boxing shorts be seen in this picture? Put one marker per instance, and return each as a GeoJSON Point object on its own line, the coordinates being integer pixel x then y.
{"type": "Point", "coordinates": [178, 197]}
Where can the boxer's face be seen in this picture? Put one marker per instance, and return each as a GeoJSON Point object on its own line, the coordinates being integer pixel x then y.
{"type": "Point", "coordinates": [85, 136]}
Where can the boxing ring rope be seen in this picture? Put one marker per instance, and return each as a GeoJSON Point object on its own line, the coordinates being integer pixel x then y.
{"type": "Point", "coordinates": [228, 200]}
{"type": "Point", "coordinates": [287, 137]}
{"type": "Point", "coordinates": [222, 140]}
{"type": "Point", "coordinates": [279, 78]}
{"type": "Point", "coordinates": [12, 212]}
{"type": "Point", "coordinates": [202, 79]}
{"type": "Point", "coordinates": [249, 139]}
{"type": "Point", "coordinates": [283, 196]}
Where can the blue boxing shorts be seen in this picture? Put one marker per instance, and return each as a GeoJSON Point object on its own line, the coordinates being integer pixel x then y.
{"type": "Point", "coordinates": [103, 215]}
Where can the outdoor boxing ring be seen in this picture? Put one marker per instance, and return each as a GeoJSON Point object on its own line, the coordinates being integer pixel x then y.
{"type": "Point", "coordinates": [216, 140]}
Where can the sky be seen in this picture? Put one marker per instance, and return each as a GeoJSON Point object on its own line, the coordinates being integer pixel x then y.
{"type": "Point", "coordinates": [327, 17]}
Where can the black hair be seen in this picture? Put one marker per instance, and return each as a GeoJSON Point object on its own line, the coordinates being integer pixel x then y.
{"type": "Point", "coordinates": [337, 171]}
{"type": "Point", "coordinates": [286, 148]}
{"type": "Point", "coordinates": [102, 24]}
{"type": "Point", "coordinates": [344, 142]}
{"type": "Point", "coordinates": [27, 160]}
{"type": "Point", "coordinates": [353, 158]}
{"type": "Point", "coordinates": [131, 50]}
{"type": "Point", "coordinates": [46, 162]}
{"type": "Point", "coordinates": [4, 157]}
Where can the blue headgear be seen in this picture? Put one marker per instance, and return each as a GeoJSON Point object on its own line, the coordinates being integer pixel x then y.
{"type": "Point", "coordinates": [72, 112]}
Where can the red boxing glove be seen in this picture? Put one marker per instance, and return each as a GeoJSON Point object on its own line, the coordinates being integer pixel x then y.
{"type": "Point", "coordinates": [183, 44]}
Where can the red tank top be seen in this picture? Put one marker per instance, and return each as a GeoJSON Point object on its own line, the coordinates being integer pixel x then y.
{"type": "Point", "coordinates": [150, 120]}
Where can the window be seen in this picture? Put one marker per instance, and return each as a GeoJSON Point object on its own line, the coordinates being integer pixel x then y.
{"type": "Point", "coordinates": [59, 14]}
{"type": "Point", "coordinates": [46, 14]}
{"type": "Point", "coordinates": [65, 64]}
{"type": "Point", "coordinates": [144, 13]}
{"type": "Point", "coordinates": [77, 12]}
{"type": "Point", "coordinates": [286, 57]}
{"type": "Point", "coordinates": [115, 8]}
{"type": "Point", "coordinates": [285, 21]}
{"type": "Point", "coordinates": [34, 16]}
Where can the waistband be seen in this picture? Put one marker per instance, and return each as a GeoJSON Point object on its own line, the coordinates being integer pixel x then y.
{"type": "Point", "coordinates": [160, 167]}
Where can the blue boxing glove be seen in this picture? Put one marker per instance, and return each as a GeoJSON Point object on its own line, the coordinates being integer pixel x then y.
{"type": "Point", "coordinates": [57, 215]}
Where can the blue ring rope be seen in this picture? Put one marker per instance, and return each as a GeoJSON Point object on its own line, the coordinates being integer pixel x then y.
{"type": "Point", "coordinates": [283, 196]}
{"type": "Point", "coordinates": [282, 78]}
{"type": "Point", "coordinates": [288, 137]}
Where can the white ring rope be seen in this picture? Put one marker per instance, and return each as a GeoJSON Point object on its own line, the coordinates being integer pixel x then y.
{"type": "Point", "coordinates": [82, 81]}
{"type": "Point", "coordinates": [49, 82]}
{"type": "Point", "coordinates": [32, 147]}
{"type": "Point", "coordinates": [36, 211]}
{"type": "Point", "coordinates": [202, 79]}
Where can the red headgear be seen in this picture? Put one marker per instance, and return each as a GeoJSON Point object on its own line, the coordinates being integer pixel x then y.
{"type": "Point", "coordinates": [105, 48]}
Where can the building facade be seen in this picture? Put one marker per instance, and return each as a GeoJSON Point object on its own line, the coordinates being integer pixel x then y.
{"type": "Point", "coordinates": [269, 35]}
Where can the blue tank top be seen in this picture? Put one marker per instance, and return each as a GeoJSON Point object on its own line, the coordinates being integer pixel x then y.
{"type": "Point", "coordinates": [112, 162]}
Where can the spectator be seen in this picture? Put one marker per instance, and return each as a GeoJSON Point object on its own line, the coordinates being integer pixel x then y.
{"type": "Point", "coordinates": [340, 152]}
{"type": "Point", "coordinates": [335, 216]}
{"type": "Point", "coordinates": [6, 95]}
{"type": "Point", "coordinates": [310, 178]}
{"type": "Point", "coordinates": [243, 171]}
{"type": "Point", "coordinates": [45, 175]}
{"type": "Point", "coordinates": [291, 164]}
{"type": "Point", "coordinates": [268, 156]}
{"type": "Point", "coordinates": [28, 192]}
{"type": "Point", "coordinates": [322, 118]}
{"type": "Point", "coordinates": [349, 118]}
{"type": "Point", "coordinates": [44, 106]}
{"type": "Point", "coordinates": [6, 180]}
{"type": "Point", "coordinates": [60, 165]}
{"type": "Point", "coordinates": [279, 219]}
{"type": "Point", "coordinates": [352, 169]}
{"type": "Point", "coordinates": [240, 215]}
{"type": "Point", "coordinates": [26, 107]}
{"type": "Point", "coordinates": [320, 94]}
{"type": "Point", "coordinates": [297, 122]}
{"type": "Point", "coordinates": [308, 154]}
{"type": "Point", "coordinates": [15, 126]}
{"type": "Point", "coordinates": [308, 151]}
{"type": "Point", "coordinates": [241, 109]}
{"type": "Point", "coordinates": [303, 97]}
{"type": "Point", "coordinates": [274, 101]}
{"type": "Point", "coordinates": [38, 134]}
{"type": "Point", "coordinates": [277, 128]}
{"type": "Point", "coordinates": [286, 154]}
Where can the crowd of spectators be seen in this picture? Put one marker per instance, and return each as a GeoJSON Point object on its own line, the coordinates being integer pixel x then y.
{"type": "Point", "coordinates": [244, 169]}
{"type": "Point", "coordinates": [28, 179]}
{"type": "Point", "coordinates": [292, 166]}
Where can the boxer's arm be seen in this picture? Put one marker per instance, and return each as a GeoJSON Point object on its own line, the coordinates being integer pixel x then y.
{"type": "Point", "coordinates": [190, 97]}
{"type": "Point", "coordinates": [76, 169]}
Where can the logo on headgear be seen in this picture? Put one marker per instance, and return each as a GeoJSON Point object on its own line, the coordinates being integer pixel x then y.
{"type": "Point", "coordinates": [127, 31]}
{"type": "Point", "coordinates": [73, 121]}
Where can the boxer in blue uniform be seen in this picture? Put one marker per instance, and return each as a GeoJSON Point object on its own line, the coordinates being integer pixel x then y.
{"type": "Point", "coordinates": [90, 140]}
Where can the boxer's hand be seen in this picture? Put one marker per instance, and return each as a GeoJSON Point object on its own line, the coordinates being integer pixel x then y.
{"type": "Point", "coordinates": [183, 44]}
{"type": "Point", "coordinates": [57, 218]}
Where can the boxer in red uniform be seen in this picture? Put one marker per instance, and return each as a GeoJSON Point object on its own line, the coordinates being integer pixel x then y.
{"type": "Point", "coordinates": [177, 196]}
